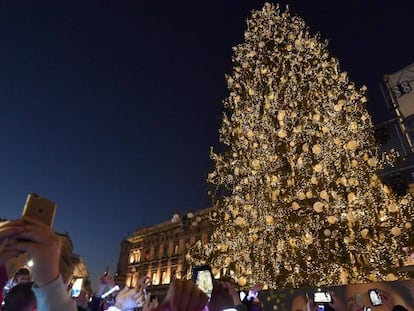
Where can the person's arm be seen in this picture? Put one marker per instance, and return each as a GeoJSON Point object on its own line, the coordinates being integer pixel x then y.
{"type": "Point", "coordinates": [54, 296]}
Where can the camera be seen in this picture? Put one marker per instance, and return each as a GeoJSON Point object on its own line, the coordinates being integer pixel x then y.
{"type": "Point", "coordinates": [375, 297]}
{"type": "Point", "coordinates": [203, 278]}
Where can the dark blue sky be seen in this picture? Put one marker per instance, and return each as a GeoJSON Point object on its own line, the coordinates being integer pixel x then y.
{"type": "Point", "coordinates": [110, 107]}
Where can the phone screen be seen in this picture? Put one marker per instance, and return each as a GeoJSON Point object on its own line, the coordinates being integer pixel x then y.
{"type": "Point", "coordinates": [322, 297]}
{"type": "Point", "coordinates": [76, 287]}
{"type": "Point", "coordinates": [375, 297]}
{"type": "Point", "coordinates": [203, 278]}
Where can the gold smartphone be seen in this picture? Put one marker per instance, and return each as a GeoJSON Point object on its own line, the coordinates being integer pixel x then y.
{"type": "Point", "coordinates": [40, 208]}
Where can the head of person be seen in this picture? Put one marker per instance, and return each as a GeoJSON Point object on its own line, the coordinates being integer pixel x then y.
{"type": "Point", "coordinates": [220, 296]}
{"type": "Point", "coordinates": [256, 305]}
{"type": "Point", "coordinates": [20, 298]}
{"type": "Point", "coordinates": [22, 276]}
{"type": "Point", "coordinates": [67, 260]}
{"type": "Point", "coordinates": [298, 303]}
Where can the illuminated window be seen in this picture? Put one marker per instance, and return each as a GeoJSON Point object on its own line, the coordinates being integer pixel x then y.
{"type": "Point", "coordinates": [131, 258]}
{"type": "Point", "coordinates": [165, 278]}
{"type": "Point", "coordinates": [128, 281]}
{"type": "Point", "coordinates": [134, 280]}
{"type": "Point", "coordinates": [176, 249]}
{"type": "Point", "coordinates": [155, 280]}
{"type": "Point", "coordinates": [137, 256]}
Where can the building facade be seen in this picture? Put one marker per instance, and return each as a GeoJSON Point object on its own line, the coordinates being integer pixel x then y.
{"type": "Point", "coordinates": [159, 251]}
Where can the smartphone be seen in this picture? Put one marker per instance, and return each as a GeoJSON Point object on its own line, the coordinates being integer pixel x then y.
{"type": "Point", "coordinates": [242, 295]}
{"type": "Point", "coordinates": [76, 287]}
{"type": "Point", "coordinates": [375, 297]}
{"type": "Point", "coordinates": [40, 208]}
{"type": "Point", "coordinates": [203, 278]}
{"type": "Point", "coordinates": [229, 309]}
{"type": "Point", "coordinates": [322, 297]}
{"type": "Point", "coordinates": [320, 307]}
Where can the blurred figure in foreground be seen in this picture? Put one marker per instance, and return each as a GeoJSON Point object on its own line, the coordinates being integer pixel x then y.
{"type": "Point", "coordinates": [20, 298]}
{"type": "Point", "coordinates": [21, 276]}
{"type": "Point", "coordinates": [43, 246]}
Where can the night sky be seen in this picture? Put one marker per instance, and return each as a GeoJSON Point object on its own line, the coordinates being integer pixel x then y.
{"type": "Point", "coordinates": [109, 108]}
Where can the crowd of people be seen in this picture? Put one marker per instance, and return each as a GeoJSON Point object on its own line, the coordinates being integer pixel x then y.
{"type": "Point", "coordinates": [44, 287]}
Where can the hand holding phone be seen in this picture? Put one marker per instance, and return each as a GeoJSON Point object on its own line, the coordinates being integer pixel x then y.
{"type": "Point", "coordinates": [39, 208]}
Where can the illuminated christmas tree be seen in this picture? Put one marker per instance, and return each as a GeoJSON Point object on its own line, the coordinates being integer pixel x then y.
{"type": "Point", "coordinates": [297, 200]}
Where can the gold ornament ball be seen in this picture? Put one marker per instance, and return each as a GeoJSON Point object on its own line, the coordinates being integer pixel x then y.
{"type": "Point", "coordinates": [282, 134]}
{"type": "Point", "coordinates": [318, 168]}
{"type": "Point", "coordinates": [316, 149]}
{"type": "Point", "coordinates": [351, 217]}
{"type": "Point", "coordinates": [392, 208]}
{"type": "Point", "coordinates": [351, 197]}
{"type": "Point", "coordinates": [308, 239]}
{"type": "Point", "coordinates": [351, 145]}
{"type": "Point", "coordinates": [270, 220]}
{"type": "Point", "coordinates": [318, 207]}
{"type": "Point", "coordinates": [395, 231]}
{"type": "Point", "coordinates": [332, 219]}
{"type": "Point", "coordinates": [295, 206]}
{"type": "Point", "coordinates": [301, 196]}
{"type": "Point", "coordinates": [408, 225]}
{"type": "Point", "coordinates": [242, 281]}
{"type": "Point", "coordinates": [364, 233]}
{"type": "Point", "coordinates": [372, 162]}
{"type": "Point", "coordinates": [324, 195]}
{"type": "Point", "coordinates": [256, 164]}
